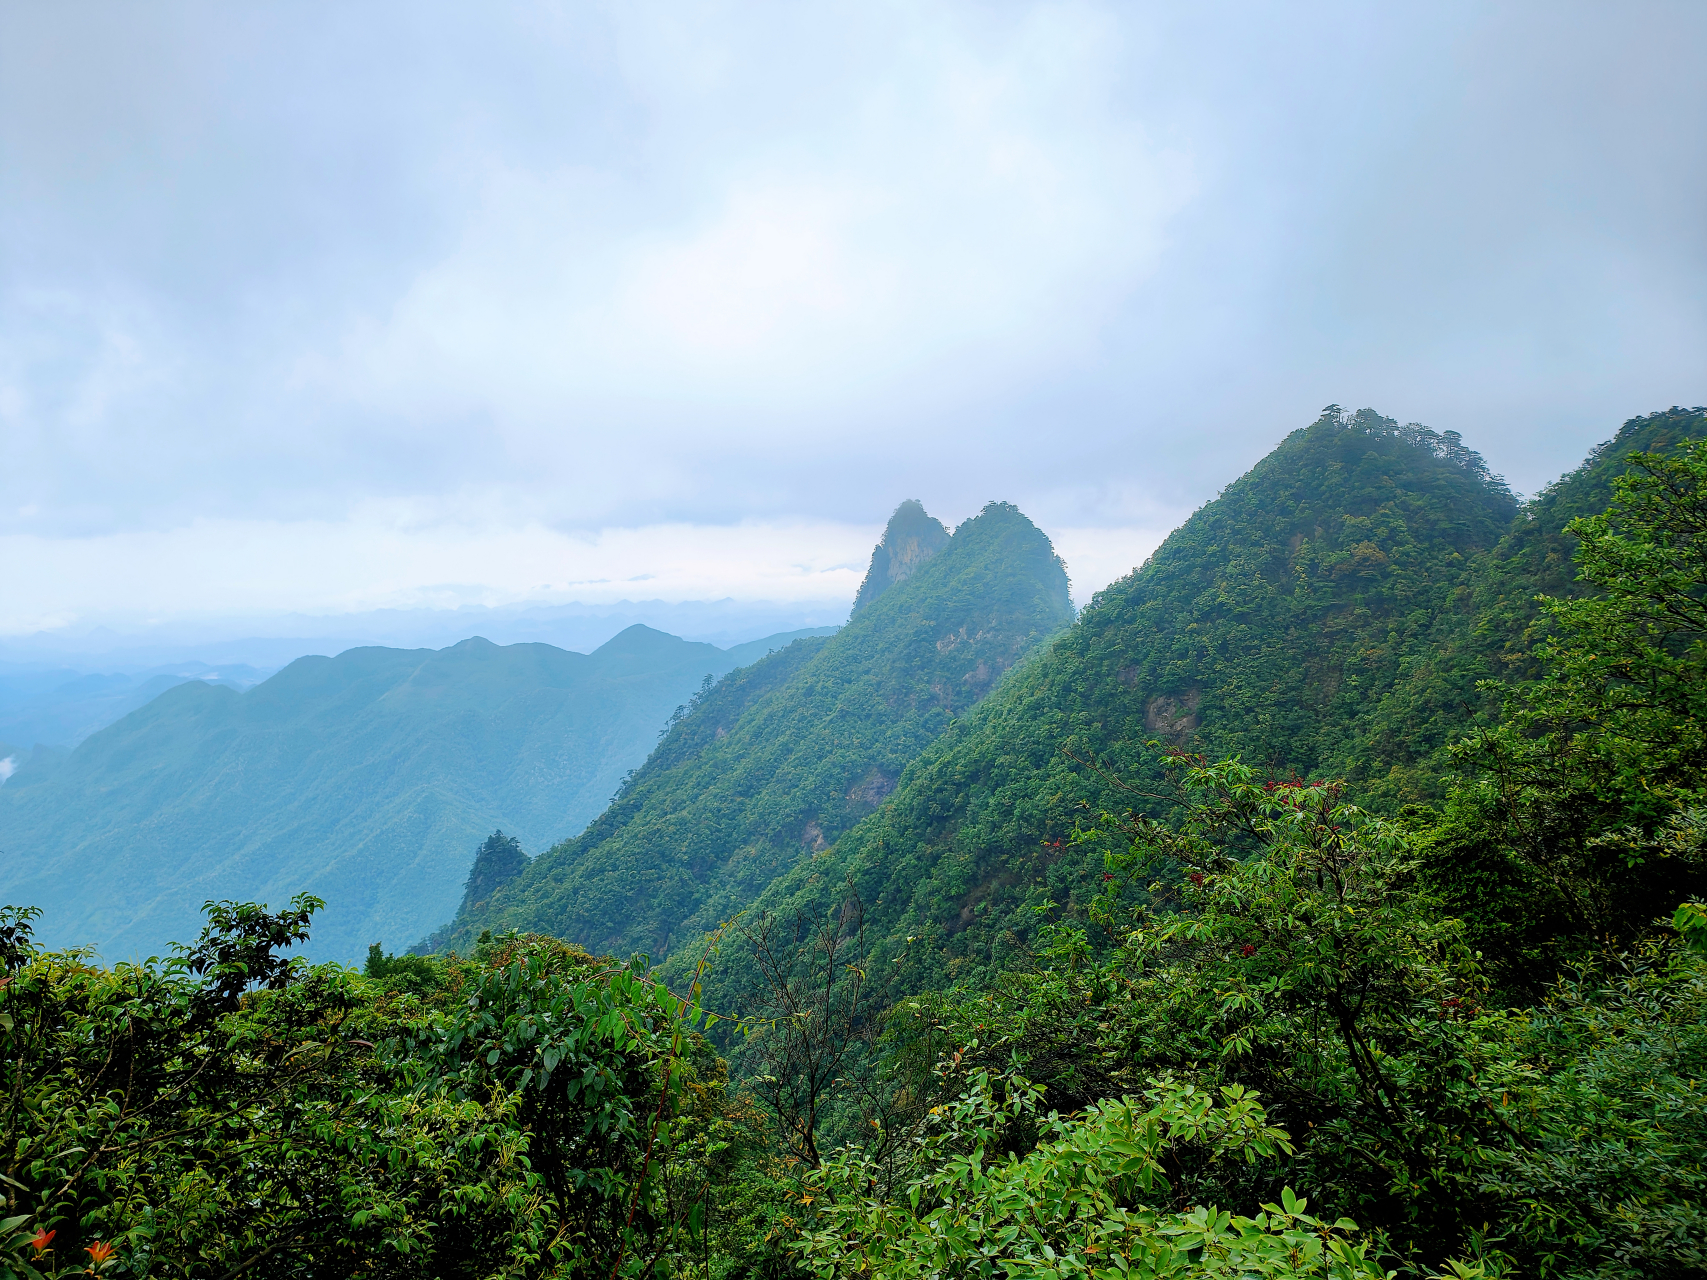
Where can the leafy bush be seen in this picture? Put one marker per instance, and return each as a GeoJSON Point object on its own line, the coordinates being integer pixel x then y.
{"type": "Point", "coordinates": [1079, 1203]}
{"type": "Point", "coordinates": [227, 1110]}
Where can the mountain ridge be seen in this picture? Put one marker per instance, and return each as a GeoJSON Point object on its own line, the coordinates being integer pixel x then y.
{"type": "Point", "coordinates": [367, 778]}
{"type": "Point", "coordinates": [1327, 615]}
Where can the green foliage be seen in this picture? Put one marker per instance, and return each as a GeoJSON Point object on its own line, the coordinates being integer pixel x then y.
{"type": "Point", "coordinates": [1277, 623]}
{"type": "Point", "coordinates": [1286, 951]}
{"type": "Point", "coordinates": [498, 861]}
{"type": "Point", "coordinates": [1608, 1179]}
{"type": "Point", "coordinates": [1626, 668]}
{"type": "Point", "coordinates": [1690, 921]}
{"type": "Point", "coordinates": [364, 779]}
{"type": "Point", "coordinates": [417, 975]}
{"type": "Point", "coordinates": [1470, 1028]}
{"type": "Point", "coordinates": [1264, 627]}
{"type": "Point", "coordinates": [781, 758]}
{"type": "Point", "coordinates": [1581, 820]}
{"type": "Point", "coordinates": [1287, 948]}
{"type": "Point", "coordinates": [228, 1111]}
{"type": "Point", "coordinates": [1080, 1203]}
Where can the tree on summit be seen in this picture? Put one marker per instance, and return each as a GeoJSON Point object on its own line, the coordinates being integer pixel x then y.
{"type": "Point", "coordinates": [496, 862]}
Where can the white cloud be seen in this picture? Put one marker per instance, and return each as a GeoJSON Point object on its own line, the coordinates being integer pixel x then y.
{"type": "Point", "coordinates": [963, 216]}
{"type": "Point", "coordinates": [1097, 557]}
{"type": "Point", "coordinates": [401, 557]}
{"type": "Point", "coordinates": [390, 559]}
{"type": "Point", "coordinates": [292, 298]}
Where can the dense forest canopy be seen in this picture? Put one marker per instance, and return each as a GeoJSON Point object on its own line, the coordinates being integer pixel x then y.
{"type": "Point", "coordinates": [1327, 901]}
{"type": "Point", "coordinates": [1333, 613]}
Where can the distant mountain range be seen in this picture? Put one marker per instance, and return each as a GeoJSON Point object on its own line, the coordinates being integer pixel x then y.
{"type": "Point", "coordinates": [59, 707]}
{"type": "Point", "coordinates": [368, 779]}
{"type": "Point", "coordinates": [271, 641]}
{"type": "Point", "coordinates": [1329, 614]}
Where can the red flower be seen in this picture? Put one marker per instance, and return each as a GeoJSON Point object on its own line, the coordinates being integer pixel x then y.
{"type": "Point", "coordinates": [40, 1241]}
{"type": "Point", "coordinates": [100, 1252]}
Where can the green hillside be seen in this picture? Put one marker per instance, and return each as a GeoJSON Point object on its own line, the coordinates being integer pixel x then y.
{"type": "Point", "coordinates": [368, 779]}
{"type": "Point", "coordinates": [1328, 614]}
{"type": "Point", "coordinates": [1288, 1036]}
{"type": "Point", "coordinates": [781, 758]}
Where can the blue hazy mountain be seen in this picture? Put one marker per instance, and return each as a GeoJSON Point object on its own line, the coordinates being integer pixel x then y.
{"type": "Point", "coordinates": [368, 779]}
{"type": "Point", "coordinates": [60, 707]}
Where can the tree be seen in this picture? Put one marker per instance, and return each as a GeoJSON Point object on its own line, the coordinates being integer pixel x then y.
{"type": "Point", "coordinates": [1080, 1203]}
{"type": "Point", "coordinates": [1580, 819]}
{"type": "Point", "coordinates": [811, 1022]}
{"type": "Point", "coordinates": [228, 1111]}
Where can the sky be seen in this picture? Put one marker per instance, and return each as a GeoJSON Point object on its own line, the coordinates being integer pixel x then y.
{"type": "Point", "coordinates": [319, 308]}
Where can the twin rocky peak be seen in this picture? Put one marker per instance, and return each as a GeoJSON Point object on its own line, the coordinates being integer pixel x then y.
{"type": "Point", "coordinates": [781, 758]}
{"type": "Point", "coordinates": [911, 538]}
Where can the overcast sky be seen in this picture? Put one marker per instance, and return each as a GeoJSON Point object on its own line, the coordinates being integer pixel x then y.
{"type": "Point", "coordinates": [330, 307]}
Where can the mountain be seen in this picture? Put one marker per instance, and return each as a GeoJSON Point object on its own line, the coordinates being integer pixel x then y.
{"type": "Point", "coordinates": [911, 538]}
{"type": "Point", "coordinates": [782, 757]}
{"type": "Point", "coordinates": [367, 779]}
{"type": "Point", "coordinates": [61, 708]}
{"type": "Point", "coordinates": [1328, 615]}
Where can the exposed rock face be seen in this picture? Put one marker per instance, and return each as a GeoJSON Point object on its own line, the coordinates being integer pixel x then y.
{"type": "Point", "coordinates": [1175, 717]}
{"type": "Point", "coordinates": [911, 538]}
{"type": "Point", "coordinates": [873, 789]}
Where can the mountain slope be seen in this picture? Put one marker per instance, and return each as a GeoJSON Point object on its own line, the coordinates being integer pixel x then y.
{"type": "Point", "coordinates": [368, 779]}
{"type": "Point", "coordinates": [1491, 627]}
{"type": "Point", "coordinates": [782, 757]}
{"type": "Point", "coordinates": [1328, 613]}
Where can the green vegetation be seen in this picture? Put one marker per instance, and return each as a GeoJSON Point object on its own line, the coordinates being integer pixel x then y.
{"type": "Point", "coordinates": [365, 779]}
{"type": "Point", "coordinates": [1331, 614]}
{"type": "Point", "coordinates": [911, 538]}
{"type": "Point", "coordinates": [57, 709]}
{"type": "Point", "coordinates": [227, 1111]}
{"type": "Point", "coordinates": [772, 765]}
{"type": "Point", "coordinates": [1204, 1016]}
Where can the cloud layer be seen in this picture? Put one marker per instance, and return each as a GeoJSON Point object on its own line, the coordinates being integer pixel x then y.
{"type": "Point", "coordinates": [397, 289]}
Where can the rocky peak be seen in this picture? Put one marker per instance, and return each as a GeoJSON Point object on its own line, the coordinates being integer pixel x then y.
{"type": "Point", "coordinates": [911, 538]}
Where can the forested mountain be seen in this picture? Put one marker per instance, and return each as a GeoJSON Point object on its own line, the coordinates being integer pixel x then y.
{"type": "Point", "coordinates": [1329, 614]}
{"type": "Point", "coordinates": [782, 757]}
{"type": "Point", "coordinates": [912, 537]}
{"type": "Point", "coordinates": [368, 779]}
